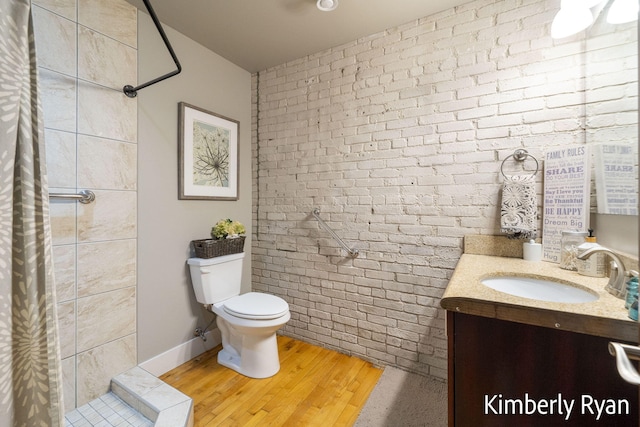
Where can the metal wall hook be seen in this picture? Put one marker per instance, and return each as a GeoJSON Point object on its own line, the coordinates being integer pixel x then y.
{"type": "Point", "coordinates": [520, 154]}
{"type": "Point", "coordinates": [131, 91]}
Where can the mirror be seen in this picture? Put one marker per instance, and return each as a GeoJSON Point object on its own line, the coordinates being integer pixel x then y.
{"type": "Point", "coordinates": [611, 103]}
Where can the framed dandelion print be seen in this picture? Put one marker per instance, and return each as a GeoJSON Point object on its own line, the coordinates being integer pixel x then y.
{"type": "Point", "coordinates": [208, 155]}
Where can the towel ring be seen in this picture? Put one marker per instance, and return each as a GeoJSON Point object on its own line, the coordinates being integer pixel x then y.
{"type": "Point", "coordinates": [520, 155]}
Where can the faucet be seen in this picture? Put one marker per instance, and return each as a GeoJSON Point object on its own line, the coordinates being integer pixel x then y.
{"type": "Point", "coordinates": [618, 275]}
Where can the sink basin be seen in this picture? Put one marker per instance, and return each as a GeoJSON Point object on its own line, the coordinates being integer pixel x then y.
{"type": "Point", "coordinates": [539, 289]}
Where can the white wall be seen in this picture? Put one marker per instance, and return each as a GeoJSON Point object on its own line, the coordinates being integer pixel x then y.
{"type": "Point", "coordinates": [167, 310]}
{"type": "Point", "coordinates": [398, 138]}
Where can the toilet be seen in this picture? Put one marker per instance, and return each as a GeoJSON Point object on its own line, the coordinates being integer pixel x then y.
{"type": "Point", "coordinates": [247, 322]}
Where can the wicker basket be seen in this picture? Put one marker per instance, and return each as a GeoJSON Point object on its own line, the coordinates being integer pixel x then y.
{"type": "Point", "coordinates": [210, 248]}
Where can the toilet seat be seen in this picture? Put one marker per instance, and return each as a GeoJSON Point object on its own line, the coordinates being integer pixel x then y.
{"type": "Point", "coordinates": [256, 305]}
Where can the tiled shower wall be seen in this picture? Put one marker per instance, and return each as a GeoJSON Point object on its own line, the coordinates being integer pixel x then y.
{"type": "Point", "coordinates": [86, 51]}
{"type": "Point", "coordinates": [398, 139]}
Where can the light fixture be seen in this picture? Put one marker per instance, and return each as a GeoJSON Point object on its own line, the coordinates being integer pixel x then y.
{"type": "Point", "coordinates": [573, 17]}
{"type": "Point", "coordinates": [622, 11]}
{"type": "Point", "coordinates": [327, 5]}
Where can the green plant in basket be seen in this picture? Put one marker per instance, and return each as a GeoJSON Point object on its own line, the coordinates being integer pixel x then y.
{"type": "Point", "coordinates": [227, 229]}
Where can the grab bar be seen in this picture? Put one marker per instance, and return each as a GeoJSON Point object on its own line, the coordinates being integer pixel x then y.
{"type": "Point", "coordinates": [83, 196]}
{"type": "Point", "coordinates": [353, 252]}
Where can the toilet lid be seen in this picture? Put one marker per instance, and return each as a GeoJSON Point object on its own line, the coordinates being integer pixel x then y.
{"type": "Point", "coordinates": [256, 305]}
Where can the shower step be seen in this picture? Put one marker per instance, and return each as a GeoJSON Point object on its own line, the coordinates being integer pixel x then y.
{"type": "Point", "coordinates": [141, 399]}
{"type": "Point", "coordinates": [106, 411]}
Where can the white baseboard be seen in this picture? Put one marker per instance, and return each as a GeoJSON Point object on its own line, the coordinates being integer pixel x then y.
{"type": "Point", "coordinates": [176, 356]}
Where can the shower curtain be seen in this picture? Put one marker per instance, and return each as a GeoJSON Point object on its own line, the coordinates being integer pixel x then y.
{"type": "Point", "coordinates": [30, 374]}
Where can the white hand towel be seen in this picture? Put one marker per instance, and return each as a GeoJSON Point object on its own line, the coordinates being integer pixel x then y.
{"type": "Point", "coordinates": [519, 208]}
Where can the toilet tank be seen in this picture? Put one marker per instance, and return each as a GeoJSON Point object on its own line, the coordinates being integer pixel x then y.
{"type": "Point", "coordinates": [216, 279]}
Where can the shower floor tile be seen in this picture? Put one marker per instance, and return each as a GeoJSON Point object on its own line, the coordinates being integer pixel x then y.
{"type": "Point", "coordinates": [106, 411]}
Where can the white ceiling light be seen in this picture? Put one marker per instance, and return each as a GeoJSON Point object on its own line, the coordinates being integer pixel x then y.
{"type": "Point", "coordinates": [327, 5]}
{"type": "Point", "coordinates": [622, 11]}
{"type": "Point", "coordinates": [573, 17]}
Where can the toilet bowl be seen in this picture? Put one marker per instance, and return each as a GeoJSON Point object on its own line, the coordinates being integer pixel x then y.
{"type": "Point", "coordinates": [248, 325]}
{"type": "Point", "coordinates": [247, 322]}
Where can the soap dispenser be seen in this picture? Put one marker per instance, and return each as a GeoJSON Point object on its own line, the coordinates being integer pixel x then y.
{"type": "Point", "coordinates": [593, 266]}
{"type": "Point", "coordinates": [532, 251]}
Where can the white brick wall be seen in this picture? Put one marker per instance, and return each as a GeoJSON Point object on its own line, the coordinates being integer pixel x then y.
{"type": "Point", "coordinates": [398, 138]}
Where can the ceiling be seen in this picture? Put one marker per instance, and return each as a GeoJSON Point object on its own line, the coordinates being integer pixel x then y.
{"type": "Point", "coordinates": [259, 34]}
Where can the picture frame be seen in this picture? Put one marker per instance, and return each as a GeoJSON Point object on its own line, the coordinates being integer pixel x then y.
{"type": "Point", "coordinates": [208, 162]}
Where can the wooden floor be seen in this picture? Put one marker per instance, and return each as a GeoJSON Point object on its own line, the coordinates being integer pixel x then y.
{"type": "Point", "coordinates": [315, 387]}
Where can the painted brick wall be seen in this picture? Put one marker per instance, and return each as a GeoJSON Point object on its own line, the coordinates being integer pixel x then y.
{"type": "Point", "coordinates": [398, 139]}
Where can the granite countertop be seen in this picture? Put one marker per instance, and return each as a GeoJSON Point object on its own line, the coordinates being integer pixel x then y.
{"type": "Point", "coordinates": [604, 317]}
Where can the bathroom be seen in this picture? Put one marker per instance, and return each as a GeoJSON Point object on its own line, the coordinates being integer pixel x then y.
{"type": "Point", "coordinates": [396, 137]}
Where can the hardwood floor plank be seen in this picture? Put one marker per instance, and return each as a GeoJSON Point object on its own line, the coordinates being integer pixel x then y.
{"type": "Point", "coordinates": [349, 415]}
{"type": "Point", "coordinates": [287, 406]}
{"type": "Point", "coordinates": [293, 370]}
{"type": "Point", "coordinates": [367, 381]}
{"type": "Point", "coordinates": [314, 387]}
{"type": "Point", "coordinates": [334, 387]}
{"type": "Point", "coordinates": [247, 419]}
{"type": "Point", "coordinates": [337, 396]}
{"type": "Point", "coordinates": [271, 392]}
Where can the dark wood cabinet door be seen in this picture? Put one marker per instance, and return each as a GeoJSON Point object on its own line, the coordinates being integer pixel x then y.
{"type": "Point", "coordinates": [505, 373]}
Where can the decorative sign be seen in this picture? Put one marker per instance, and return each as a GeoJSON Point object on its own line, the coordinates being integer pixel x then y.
{"type": "Point", "coordinates": [566, 196]}
{"type": "Point", "coordinates": [616, 176]}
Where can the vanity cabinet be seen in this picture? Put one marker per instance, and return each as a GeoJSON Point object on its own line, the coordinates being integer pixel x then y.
{"type": "Point", "coordinates": [497, 368]}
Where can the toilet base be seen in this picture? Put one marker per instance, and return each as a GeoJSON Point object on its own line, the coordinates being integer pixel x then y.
{"type": "Point", "coordinates": [231, 361]}
{"type": "Point", "coordinates": [259, 358]}
{"type": "Point", "coordinates": [249, 349]}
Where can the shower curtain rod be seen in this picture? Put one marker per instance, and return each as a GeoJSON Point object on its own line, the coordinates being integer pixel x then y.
{"type": "Point", "coordinates": [131, 91]}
